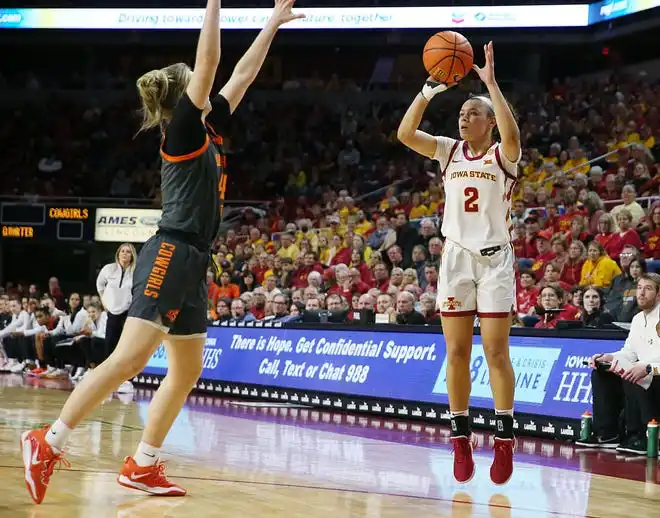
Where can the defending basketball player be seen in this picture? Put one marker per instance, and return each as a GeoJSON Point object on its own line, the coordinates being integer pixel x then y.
{"type": "Point", "coordinates": [477, 275]}
{"type": "Point", "coordinates": [169, 282]}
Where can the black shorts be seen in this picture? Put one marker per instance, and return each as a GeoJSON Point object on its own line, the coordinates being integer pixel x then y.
{"type": "Point", "coordinates": [169, 285]}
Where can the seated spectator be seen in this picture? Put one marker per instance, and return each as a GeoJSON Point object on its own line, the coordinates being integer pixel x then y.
{"type": "Point", "coordinates": [247, 283]}
{"type": "Point", "coordinates": [598, 270]}
{"type": "Point", "coordinates": [288, 247]}
{"type": "Point", "coordinates": [299, 278]}
{"type": "Point", "coordinates": [296, 310]}
{"type": "Point", "coordinates": [360, 286]}
{"type": "Point", "coordinates": [544, 252]}
{"type": "Point", "coordinates": [551, 275]}
{"type": "Point", "coordinates": [625, 236]}
{"type": "Point", "coordinates": [606, 235]}
{"type": "Point", "coordinates": [435, 252]}
{"type": "Point", "coordinates": [578, 231]}
{"type": "Point", "coordinates": [280, 312]}
{"type": "Point", "coordinates": [258, 308]}
{"type": "Point", "coordinates": [622, 283]}
{"type": "Point", "coordinates": [313, 303]}
{"type": "Point", "coordinates": [652, 247]}
{"type": "Point", "coordinates": [222, 312]}
{"type": "Point", "coordinates": [550, 308]}
{"type": "Point", "coordinates": [630, 204]}
{"type": "Point", "coordinates": [396, 277]}
{"type": "Point", "coordinates": [385, 306]}
{"type": "Point", "coordinates": [410, 276]}
{"type": "Point", "coordinates": [430, 284]}
{"type": "Point", "coordinates": [381, 277]}
{"type": "Point", "coordinates": [527, 294]}
{"type": "Point", "coordinates": [12, 338]}
{"type": "Point", "coordinates": [238, 313]}
{"type": "Point", "coordinates": [571, 271]}
{"type": "Point", "coordinates": [405, 311]}
{"type": "Point", "coordinates": [91, 340]}
{"type": "Point", "coordinates": [593, 313]}
{"type": "Point", "coordinates": [427, 307]}
{"type": "Point", "coordinates": [614, 390]}
{"type": "Point", "coordinates": [358, 262]}
{"type": "Point", "coordinates": [366, 301]}
{"type": "Point", "coordinates": [226, 289]}
{"type": "Point", "coordinates": [628, 308]}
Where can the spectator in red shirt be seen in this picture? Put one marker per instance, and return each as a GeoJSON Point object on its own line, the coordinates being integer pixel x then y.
{"type": "Point", "coordinates": [594, 207]}
{"type": "Point", "coordinates": [550, 308]}
{"type": "Point", "coordinates": [560, 248]}
{"type": "Point", "coordinates": [258, 308]}
{"type": "Point", "coordinates": [605, 234]}
{"type": "Point", "coordinates": [578, 230]}
{"type": "Point", "coordinates": [531, 231]}
{"type": "Point", "coordinates": [551, 275]}
{"type": "Point", "coordinates": [519, 242]}
{"type": "Point", "coordinates": [652, 248]}
{"type": "Point", "coordinates": [357, 262]}
{"type": "Point", "coordinates": [626, 235]}
{"type": "Point", "coordinates": [570, 210]}
{"type": "Point", "coordinates": [551, 217]}
{"type": "Point", "coordinates": [381, 277]}
{"type": "Point", "coordinates": [299, 279]}
{"type": "Point", "coordinates": [572, 268]}
{"type": "Point", "coordinates": [544, 254]}
{"type": "Point", "coordinates": [527, 293]}
{"type": "Point", "coordinates": [431, 277]}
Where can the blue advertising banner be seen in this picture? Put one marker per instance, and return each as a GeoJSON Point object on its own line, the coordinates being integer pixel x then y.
{"type": "Point", "coordinates": [551, 379]}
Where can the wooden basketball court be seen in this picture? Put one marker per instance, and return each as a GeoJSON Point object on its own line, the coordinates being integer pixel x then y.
{"type": "Point", "coordinates": [263, 461]}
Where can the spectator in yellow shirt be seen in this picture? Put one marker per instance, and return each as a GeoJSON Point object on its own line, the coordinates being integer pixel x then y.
{"type": "Point", "coordinates": [289, 248]}
{"type": "Point", "coordinates": [362, 226]}
{"type": "Point", "coordinates": [419, 210]}
{"type": "Point", "coordinates": [598, 270]}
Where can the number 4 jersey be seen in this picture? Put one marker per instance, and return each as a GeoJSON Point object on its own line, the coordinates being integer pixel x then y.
{"type": "Point", "coordinates": [478, 194]}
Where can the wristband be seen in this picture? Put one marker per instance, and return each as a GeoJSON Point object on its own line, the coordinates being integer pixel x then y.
{"type": "Point", "coordinates": [432, 88]}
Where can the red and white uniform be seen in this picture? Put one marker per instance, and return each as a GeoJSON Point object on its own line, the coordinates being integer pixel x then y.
{"type": "Point", "coordinates": [477, 274]}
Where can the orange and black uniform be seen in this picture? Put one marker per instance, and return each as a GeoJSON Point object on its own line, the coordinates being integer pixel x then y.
{"type": "Point", "coordinates": [169, 282]}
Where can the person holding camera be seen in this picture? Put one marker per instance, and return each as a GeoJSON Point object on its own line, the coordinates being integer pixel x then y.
{"type": "Point", "coordinates": [629, 379]}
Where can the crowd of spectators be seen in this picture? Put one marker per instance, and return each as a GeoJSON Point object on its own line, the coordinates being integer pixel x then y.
{"type": "Point", "coordinates": [584, 223]}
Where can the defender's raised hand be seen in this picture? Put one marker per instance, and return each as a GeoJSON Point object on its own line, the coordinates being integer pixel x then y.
{"type": "Point", "coordinates": [282, 13]}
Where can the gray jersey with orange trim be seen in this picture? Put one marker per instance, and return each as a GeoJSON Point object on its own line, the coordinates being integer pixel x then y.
{"type": "Point", "coordinates": [192, 187]}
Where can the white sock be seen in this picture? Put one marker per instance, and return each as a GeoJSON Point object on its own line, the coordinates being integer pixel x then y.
{"type": "Point", "coordinates": [58, 436]}
{"type": "Point", "coordinates": [504, 412]}
{"type": "Point", "coordinates": [146, 455]}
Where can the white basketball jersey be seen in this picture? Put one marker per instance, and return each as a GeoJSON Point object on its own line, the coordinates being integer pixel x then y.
{"type": "Point", "coordinates": [478, 194]}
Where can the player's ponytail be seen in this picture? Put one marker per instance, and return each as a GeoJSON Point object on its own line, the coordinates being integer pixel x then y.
{"type": "Point", "coordinates": [160, 91]}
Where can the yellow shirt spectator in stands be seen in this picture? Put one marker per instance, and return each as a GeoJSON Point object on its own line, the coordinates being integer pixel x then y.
{"type": "Point", "coordinates": [289, 248]}
{"type": "Point", "coordinates": [363, 227]}
{"type": "Point", "coordinates": [598, 270]}
{"type": "Point", "coordinates": [419, 209]}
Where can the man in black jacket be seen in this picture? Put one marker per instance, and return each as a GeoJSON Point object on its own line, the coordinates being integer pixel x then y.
{"type": "Point", "coordinates": [406, 314]}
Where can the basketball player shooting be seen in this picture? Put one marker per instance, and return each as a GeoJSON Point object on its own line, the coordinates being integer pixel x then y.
{"type": "Point", "coordinates": [169, 283]}
{"type": "Point", "coordinates": [477, 275]}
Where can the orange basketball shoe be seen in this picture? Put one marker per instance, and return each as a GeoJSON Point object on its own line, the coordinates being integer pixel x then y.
{"type": "Point", "coordinates": [150, 479]}
{"type": "Point", "coordinates": [39, 460]}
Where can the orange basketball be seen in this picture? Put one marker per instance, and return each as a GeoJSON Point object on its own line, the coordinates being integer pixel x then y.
{"type": "Point", "coordinates": [448, 56]}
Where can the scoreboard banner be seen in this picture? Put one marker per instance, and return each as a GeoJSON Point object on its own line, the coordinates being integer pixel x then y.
{"type": "Point", "coordinates": [46, 222]}
{"type": "Point", "coordinates": [570, 15]}
{"type": "Point", "coordinates": [376, 368]}
{"type": "Point", "coordinates": [126, 225]}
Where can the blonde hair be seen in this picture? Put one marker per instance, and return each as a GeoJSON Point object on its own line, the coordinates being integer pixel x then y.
{"type": "Point", "coordinates": [133, 254]}
{"type": "Point", "coordinates": [160, 91]}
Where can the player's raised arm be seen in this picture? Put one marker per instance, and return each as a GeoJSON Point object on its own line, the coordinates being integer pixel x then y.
{"type": "Point", "coordinates": [506, 122]}
{"type": "Point", "coordinates": [408, 132]}
{"type": "Point", "coordinates": [207, 58]}
{"type": "Point", "coordinates": [249, 65]}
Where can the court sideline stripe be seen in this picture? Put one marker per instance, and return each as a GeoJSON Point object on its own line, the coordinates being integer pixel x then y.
{"type": "Point", "coordinates": [336, 489]}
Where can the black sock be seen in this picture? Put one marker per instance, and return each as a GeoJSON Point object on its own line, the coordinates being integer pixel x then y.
{"type": "Point", "coordinates": [504, 426]}
{"type": "Point", "coordinates": [460, 426]}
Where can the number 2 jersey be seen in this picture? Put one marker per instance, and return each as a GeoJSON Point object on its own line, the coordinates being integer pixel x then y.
{"type": "Point", "coordinates": [478, 193]}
